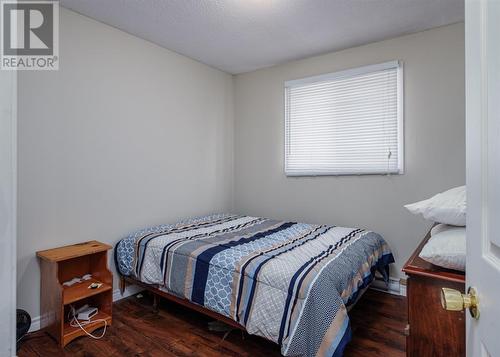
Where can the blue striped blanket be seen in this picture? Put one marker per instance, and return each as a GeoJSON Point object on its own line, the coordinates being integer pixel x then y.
{"type": "Point", "coordinates": [291, 283]}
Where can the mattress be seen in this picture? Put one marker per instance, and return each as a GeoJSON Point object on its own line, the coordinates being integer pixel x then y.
{"type": "Point", "coordinates": [289, 282]}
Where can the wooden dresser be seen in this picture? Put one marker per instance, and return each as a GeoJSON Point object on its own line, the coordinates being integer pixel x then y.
{"type": "Point", "coordinates": [432, 331]}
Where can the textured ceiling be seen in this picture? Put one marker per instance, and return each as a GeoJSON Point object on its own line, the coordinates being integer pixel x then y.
{"type": "Point", "coordinates": [243, 35]}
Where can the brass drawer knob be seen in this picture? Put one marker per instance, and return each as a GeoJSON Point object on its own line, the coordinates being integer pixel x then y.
{"type": "Point", "coordinates": [454, 300]}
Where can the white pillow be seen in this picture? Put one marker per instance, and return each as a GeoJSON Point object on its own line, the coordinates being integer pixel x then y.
{"type": "Point", "coordinates": [441, 227]}
{"type": "Point", "coordinates": [448, 207]}
{"type": "Point", "coordinates": [446, 249]}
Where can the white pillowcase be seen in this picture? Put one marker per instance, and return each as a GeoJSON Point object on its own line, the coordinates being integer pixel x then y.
{"type": "Point", "coordinates": [441, 227]}
{"type": "Point", "coordinates": [446, 248]}
{"type": "Point", "coordinates": [448, 207]}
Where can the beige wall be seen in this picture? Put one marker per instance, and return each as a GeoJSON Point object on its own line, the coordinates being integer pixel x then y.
{"type": "Point", "coordinates": [125, 135]}
{"type": "Point", "coordinates": [7, 212]}
{"type": "Point", "coordinates": [434, 141]}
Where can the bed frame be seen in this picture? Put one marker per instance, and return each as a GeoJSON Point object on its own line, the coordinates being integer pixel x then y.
{"type": "Point", "coordinates": [155, 290]}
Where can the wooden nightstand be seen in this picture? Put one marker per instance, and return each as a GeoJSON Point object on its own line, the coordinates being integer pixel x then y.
{"type": "Point", "coordinates": [63, 264]}
{"type": "Point", "coordinates": [432, 330]}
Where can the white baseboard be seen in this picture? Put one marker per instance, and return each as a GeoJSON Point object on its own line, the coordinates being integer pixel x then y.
{"type": "Point", "coordinates": [402, 287]}
{"type": "Point", "coordinates": [35, 324]}
{"type": "Point", "coordinates": [129, 290]}
{"type": "Point", "coordinates": [394, 287]}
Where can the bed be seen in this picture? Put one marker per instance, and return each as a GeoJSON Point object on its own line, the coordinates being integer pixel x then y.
{"type": "Point", "coordinates": [291, 283]}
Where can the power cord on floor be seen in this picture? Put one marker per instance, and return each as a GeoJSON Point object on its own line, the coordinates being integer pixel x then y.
{"type": "Point", "coordinates": [74, 322]}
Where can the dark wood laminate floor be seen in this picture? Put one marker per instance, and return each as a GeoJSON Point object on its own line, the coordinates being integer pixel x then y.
{"type": "Point", "coordinates": [378, 321]}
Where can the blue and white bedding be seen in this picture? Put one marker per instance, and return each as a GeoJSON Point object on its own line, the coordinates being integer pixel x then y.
{"type": "Point", "coordinates": [289, 282]}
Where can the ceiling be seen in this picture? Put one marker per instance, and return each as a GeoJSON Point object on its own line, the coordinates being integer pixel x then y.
{"type": "Point", "coordinates": [238, 36]}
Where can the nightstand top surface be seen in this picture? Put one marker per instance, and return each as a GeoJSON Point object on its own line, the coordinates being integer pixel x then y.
{"type": "Point", "coordinates": [73, 251]}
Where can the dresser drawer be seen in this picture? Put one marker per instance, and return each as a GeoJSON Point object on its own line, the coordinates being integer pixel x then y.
{"type": "Point", "coordinates": [433, 331]}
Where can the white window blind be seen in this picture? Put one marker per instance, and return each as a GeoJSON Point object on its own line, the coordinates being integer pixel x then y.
{"type": "Point", "coordinates": [344, 123]}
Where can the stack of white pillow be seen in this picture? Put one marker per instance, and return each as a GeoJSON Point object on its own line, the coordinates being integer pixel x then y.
{"type": "Point", "coordinates": [446, 247]}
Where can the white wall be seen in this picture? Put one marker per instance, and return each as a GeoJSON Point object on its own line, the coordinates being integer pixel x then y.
{"type": "Point", "coordinates": [8, 139]}
{"type": "Point", "coordinates": [434, 141]}
{"type": "Point", "coordinates": [125, 135]}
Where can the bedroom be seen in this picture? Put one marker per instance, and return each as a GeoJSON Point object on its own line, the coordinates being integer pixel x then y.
{"type": "Point", "coordinates": [215, 150]}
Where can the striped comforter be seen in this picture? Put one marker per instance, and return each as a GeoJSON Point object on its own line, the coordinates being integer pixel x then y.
{"type": "Point", "coordinates": [291, 283]}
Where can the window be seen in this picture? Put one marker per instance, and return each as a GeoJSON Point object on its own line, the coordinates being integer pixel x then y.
{"type": "Point", "coordinates": [345, 123]}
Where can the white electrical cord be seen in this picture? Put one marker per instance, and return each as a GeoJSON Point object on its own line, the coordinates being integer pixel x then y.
{"type": "Point", "coordinates": [77, 280]}
{"type": "Point", "coordinates": [74, 322]}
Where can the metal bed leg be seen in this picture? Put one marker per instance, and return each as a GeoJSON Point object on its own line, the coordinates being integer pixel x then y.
{"type": "Point", "coordinates": [123, 284]}
{"type": "Point", "coordinates": [155, 302]}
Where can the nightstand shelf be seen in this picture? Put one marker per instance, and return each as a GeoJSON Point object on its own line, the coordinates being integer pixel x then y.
{"type": "Point", "coordinates": [63, 264]}
{"type": "Point", "coordinates": [81, 291]}
{"type": "Point", "coordinates": [70, 332]}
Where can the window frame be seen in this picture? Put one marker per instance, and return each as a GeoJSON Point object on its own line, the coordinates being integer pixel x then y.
{"type": "Point", "coordinates": [349, 73]}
